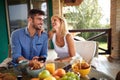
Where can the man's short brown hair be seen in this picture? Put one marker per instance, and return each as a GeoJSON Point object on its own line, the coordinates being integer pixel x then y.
{"type": "Point", "coordinates": [33, 12]}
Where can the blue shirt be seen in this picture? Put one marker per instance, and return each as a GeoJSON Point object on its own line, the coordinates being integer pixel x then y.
{"type": "Point", "coordinates": [28, 47]}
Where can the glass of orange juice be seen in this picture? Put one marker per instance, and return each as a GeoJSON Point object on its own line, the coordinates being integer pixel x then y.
{"type": "Point", "coordinates": [50, 67]}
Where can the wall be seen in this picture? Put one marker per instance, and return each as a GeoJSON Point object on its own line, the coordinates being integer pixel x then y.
{"type": "Point", "coordinates": [3, 32]}
{"type": "Point", "coordinates": [57, 7]}
{"type": "Point", "coordinates": [115, 25]}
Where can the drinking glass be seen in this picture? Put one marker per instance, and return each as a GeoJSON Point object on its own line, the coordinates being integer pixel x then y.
{"type": "Point", "coordinates": [50, 67]}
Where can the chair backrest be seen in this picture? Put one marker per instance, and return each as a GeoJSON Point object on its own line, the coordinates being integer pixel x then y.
{"type": "Point", "coordinates": [118, 76]}
{"type": "Point", "coordinates": [86, 49]}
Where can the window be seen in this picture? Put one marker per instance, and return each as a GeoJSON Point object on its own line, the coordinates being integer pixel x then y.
{"type": "Point", "coordinates": [41, 4]}
{"type": "Point", "coordinates": [17, 11]}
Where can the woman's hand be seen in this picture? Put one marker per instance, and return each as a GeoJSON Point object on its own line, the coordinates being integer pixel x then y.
{"type": "Point", "coordinates": [59, 60]}
{"type": "Point", "coordinates": [40, 31]}
{"type": "Point", "coordinates": [67, 59]}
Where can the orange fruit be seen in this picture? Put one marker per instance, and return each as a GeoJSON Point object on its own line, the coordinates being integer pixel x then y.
{"type": "Point", "coordinates": [35, 79]}
{"type": "Point", "coordinates": [59, 72]}
{"type": "Point", "coordinates": [57, 77]}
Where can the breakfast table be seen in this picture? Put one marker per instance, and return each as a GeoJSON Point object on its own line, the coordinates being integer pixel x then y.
{"type": "Point", "coordinates": [93, 75]}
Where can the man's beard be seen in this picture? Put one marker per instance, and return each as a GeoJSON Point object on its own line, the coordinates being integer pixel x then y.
{"type": "Point", "coordinates": [37, 27]}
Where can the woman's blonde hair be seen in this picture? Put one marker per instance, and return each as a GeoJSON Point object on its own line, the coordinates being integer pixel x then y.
{"type": "Point", "coordinates": [63, 27]}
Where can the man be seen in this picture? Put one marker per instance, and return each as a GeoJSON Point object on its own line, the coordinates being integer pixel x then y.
{"type": "Point", "coordinates": [30, 43]}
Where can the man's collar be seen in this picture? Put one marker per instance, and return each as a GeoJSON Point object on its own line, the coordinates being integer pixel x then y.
{"type": "Point", "coordinates": [27, 33]}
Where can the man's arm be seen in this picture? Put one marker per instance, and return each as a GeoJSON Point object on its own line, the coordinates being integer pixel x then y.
{"type": "Point", "coordinates": [20, 59]}
{"type": "Point", "coordinates": [45, 47]}
{"type": "Point", "coordinates": [16, 48]}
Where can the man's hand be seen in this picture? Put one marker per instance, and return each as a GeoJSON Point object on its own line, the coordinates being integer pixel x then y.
{"type": "Point", "coordinates": [35, 64]}
{"type": "Point", "coordinates": [35, 58]}
{"type": "Point", "coordinates": [20, 59]}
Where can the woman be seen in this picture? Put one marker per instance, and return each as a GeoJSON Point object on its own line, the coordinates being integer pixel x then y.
{"type": "Point", "coordinates": [62, 39]}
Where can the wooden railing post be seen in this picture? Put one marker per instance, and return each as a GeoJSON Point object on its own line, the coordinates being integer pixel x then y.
{"type": "Point", "coordinates": [103, 32]}
{"type": "Point", "coordinates": [109, 41]}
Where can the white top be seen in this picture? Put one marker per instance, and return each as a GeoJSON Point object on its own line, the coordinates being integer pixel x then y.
{"type": "Point", "coordinates": [62, 52]}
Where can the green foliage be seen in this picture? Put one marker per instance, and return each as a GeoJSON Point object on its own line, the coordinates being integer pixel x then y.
{"type": "Point", "coordinates": [85, 16]}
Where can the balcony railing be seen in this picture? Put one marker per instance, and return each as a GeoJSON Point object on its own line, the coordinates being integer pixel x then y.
{"type": "Point", "coordinates": [102, 33]}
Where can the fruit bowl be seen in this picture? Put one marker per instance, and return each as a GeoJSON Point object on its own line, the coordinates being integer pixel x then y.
{"type": "Point", "coordinates": [34, 73]}
{"type": "Point", "coordinates": [82, 68]}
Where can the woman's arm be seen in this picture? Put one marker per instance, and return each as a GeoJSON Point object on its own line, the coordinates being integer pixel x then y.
{"type": "Point", "coordinates": [71, 48]}
{"type": "Point", "coordinates": [71, 45]}
{"type": "Point", "coordinates": [50, 35]}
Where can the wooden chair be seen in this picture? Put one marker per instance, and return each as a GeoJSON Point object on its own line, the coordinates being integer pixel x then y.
{"type": "Point", "coordinates": [87, 49]}
{"type": "Point", "coordinates": [118, 76]}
